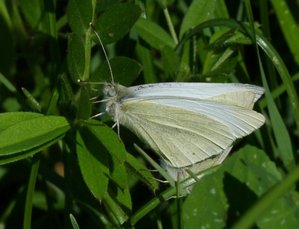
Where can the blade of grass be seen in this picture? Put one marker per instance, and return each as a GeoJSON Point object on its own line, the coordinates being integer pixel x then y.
{"type": "Point", "coordinates": [288, 26]}
{"type": "Point", "coordinates": [30, 193]}
{"type": "Point", "coordinates": [255, 212]}
{"type": "Point", "coordinates": [283, 72]}
{"type": "Point", "coordinates": [280, 130]}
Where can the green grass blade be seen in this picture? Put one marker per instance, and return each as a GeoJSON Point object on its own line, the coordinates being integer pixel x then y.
{"type": "Point", "coordinates": [29, 194]}
{"type": "Point", "coordinates": [288, 25]}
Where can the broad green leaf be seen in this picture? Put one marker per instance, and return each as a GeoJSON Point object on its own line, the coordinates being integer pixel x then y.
{"type": "Point", "coordinates": [101, 161]}
{"type": "Point", "coordinates": [105, 4]}
{"type": "Point", "coordinates": [66, 96]}
{"type": "Point", "coordinates": [94, 164]}
{"type": "Point", "coordinates": [79, 13]}
{"type": "Point", "coordinates": [30, 133]}
{"type": "Point", "coordinates": [123, 197]}
{"type": "Point", "coordinates": [153, 34]}
{"type": "Point", "coordinates": [283, 213]}
{"type": "Point", "coordinates": [32, 11]}
{"type": "Point", "coordinates": [111, 146]}
{"type": "Point", "coordinates": [84, 103]}
{"type": "Point", "coordinates": [24, 134]}
{"type": "Point", "coordinates": [206, 207]}
{"type": "Point", "coordinates": [117, 21]}
{"type": "Point", "coordinates": [249, 171]}
{"type": "Point", "coordinates": [11, 118]}
{"type": "Point", "coordinates": [278, 204]}
{"type": "Point", "coordinates": [109, 139]}
{"type": "Point", "coordinates": [252, 166]}
{"type": "Point", "coordinates": [125, 71]}
{"type": "Point", "coordinates": [76, 56]}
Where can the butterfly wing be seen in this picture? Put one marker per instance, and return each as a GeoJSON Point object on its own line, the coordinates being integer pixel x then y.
{"type": "Point", "coordinates": [240, 121]}
{"type": "Point", "coordinates": [182, 132]}
{"type": "Point", "coordinates": [244, 95]}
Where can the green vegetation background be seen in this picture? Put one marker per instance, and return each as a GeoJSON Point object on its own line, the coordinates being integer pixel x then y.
{"type": "Point", "coordinates": [59, 169]}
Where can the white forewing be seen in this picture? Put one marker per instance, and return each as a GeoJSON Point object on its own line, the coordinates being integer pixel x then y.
{"type": "Point", "coordinates": [244, 95]}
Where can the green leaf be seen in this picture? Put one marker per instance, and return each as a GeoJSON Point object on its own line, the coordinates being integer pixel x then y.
{"type": "Point", "coordinates": [249, 171]}
{"type": "Point", "coordinates": [66, 96]}
{"type": "Point", "coordinates": [283, 213]}
{"type": "Point", "coordinates": [278, 202]}
{"type": "Point", "coordinates": [79, 13]}
{"type": "Point", "coordinates": [76, 57]}
{"type": "Point", "coordinates": [114, 210]}
{"type": "Point", "coordinates": [10, 118]}
{"type": "Point", "coordinates": [94, 164]}
{"type": "Point", "coordinates": [100, 158]}
{"type": "Point", "coordinates": [207, 205]}
{"type": "Point", "coordinates": [32, 11]}
{"type": "Point", "coordinates": [23, 134]}
{"type": "Point", "coordinates": [108, 141]}
{"type": "Point", "coordinates": [221, 57]}
{"type": "Point", "coordinates": [146, 59]}
{"type": "Point", "coordinates": [171, 61]}
{"type": "Point", "coordinates": [125, 71]}
{"type": "Point", "coordinates": [123, 198]}
{"type": "Point", "coordinates": [84, 103]}
{"type": "Point", "coordinates": [252, 166]}
{"type": "Point", "coordinates": [153, 34]}
{"type": "Point", "coordinates": [198, 12]}
{"type": "Point", "coordinates": [117, 21]}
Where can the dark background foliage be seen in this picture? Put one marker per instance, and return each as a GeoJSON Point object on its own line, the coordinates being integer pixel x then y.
{"type": "Point", "coordinates": [61, 169]}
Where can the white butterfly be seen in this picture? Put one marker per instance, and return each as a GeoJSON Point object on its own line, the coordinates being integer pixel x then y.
{"type": "Point", "coordinates": [189, 125]}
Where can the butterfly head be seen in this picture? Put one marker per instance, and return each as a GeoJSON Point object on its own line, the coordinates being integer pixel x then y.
{"type": "Point", "coordinates": [115, 94]}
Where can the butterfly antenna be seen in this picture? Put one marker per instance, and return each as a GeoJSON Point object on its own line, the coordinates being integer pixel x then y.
{"type": "Point", "coordinates": [104, 51]}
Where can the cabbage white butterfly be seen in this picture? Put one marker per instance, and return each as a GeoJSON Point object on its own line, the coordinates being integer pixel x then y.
{"type": "Point", "coordinates": [189, 125]}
